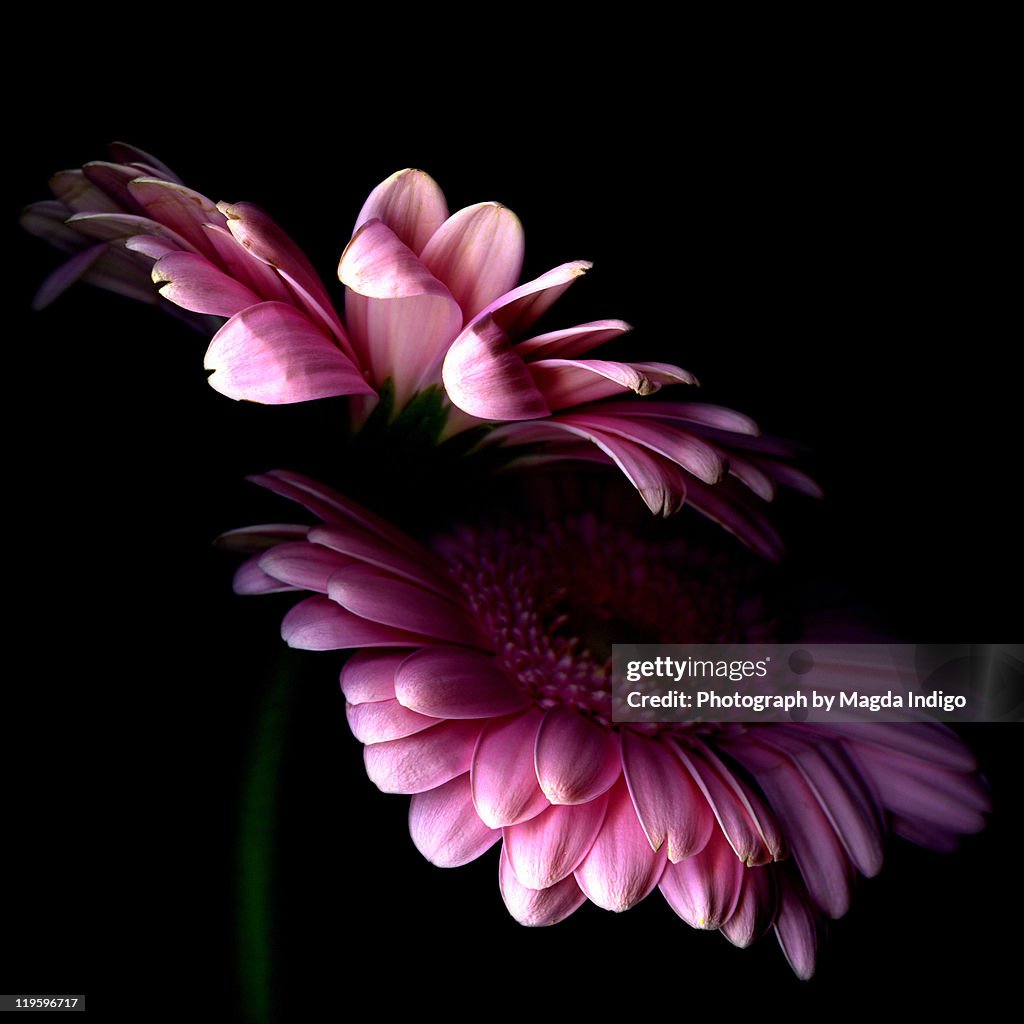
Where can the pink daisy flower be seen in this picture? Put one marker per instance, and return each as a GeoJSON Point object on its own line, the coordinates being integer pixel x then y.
{"type": "Point", "coordinates": [481, 688]}
{"type": "Point", "coordinates": [432, 307]}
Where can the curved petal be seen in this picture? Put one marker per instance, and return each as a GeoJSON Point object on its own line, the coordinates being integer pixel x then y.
{"type": "Point", "coordinates": [410, 203]}
{"type": "Point", "coordinates": [318, 624]}
{"type": "Point", "coordinates": [303, 565]}
{"type": "Point", "coordinates": [549, 847]}
{"type": "Point", "coordinates": [383, 720]}
{"type": "Point", "coordinates": [576, 760]}
{"type": "Point", "coordinates": [110, 227]}
{"type": "Point", "coordinates": [796, 930]}
{"type": "Point", "coordinates": [271, 353]}
{"type": "Point", "coordinates": [723, 505]}
{"type": "Point", "coordinates": [448, 682]}
{"type": "Point", "coordinates": [755, 910]}
{"type": "Point", "coordinates": [478, 253]}
{"type": "Point", "coordinates": [716, 416]}
{"type": "Point", "coordinates": [180, 208]}
{"type": "Point", "coordinates": [483, 376]}
{"type": "Point", "coordinates": [668, 804]}
{"type": "Point", "coordinates": [378, 596]}
{"type": "Point", "coordinates": [516, 310]}
{"type": "Point", "coordinates": [536, 908]}
{"type": "Point", "coordinates": [67, 274]}
{"type": "Point", "coordinates": [250, 579]}
{"type": "Point", "coordinates": [568, 382]}
{"type": "Point", "coordinates": [504, 784]}
{"type": "Point", "coordinates": [80, 194]}
{"type": "Point", "coordinates": [260, 538]}
{"type": "Point", "coordinates": [445, 827]}
{"type": "Point", "coordinates": [369, 676]}
{"type": "Point", "coordinates": [423, 761]}
{"type": "Point", "coordinates": [193, 282]}
{"type": "Point", "coordinates": [571, 342]}
{"type": "Point", "coordinates": [704, 889]}
{"type": "Point", "coordinates": [621, 868]}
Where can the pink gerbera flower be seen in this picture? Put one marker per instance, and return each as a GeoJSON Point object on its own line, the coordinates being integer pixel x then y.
{"type": "Point", "coordinates": [433, 305]}
{"type": "Point", "coordinates": [481, 687]}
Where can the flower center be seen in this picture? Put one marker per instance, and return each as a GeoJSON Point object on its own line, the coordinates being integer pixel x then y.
{"type": "Point", "coordinates": [553, 599]}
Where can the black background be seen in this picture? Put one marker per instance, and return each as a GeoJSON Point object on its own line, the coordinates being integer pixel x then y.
{"type": "Point", "coordinates": [832, 267]}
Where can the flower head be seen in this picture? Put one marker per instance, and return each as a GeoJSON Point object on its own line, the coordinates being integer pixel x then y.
{"type": "Point", "coordinates": [432, 306]}
{"type": "Point", "coordinates": [481, 687]}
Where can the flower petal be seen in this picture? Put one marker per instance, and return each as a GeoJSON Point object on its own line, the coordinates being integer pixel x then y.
{"type": "Point", "coordinates": [549, 847]}
{"type": "Point", "coordinates": [250, 579]}
{"type": "Point", "coordinates": [80, 194]}
{"type": "Point", "coordinates": [376, 595]}
{"type": "Point", "coordinates": [716, 416]}
{"type": "Point", "coordinates": [318, 624]}
{"type": "Point", "coordinates": [576, 760]}
{"type": "Point", "coordinates": [383, 720]}
{"type": "Point", "coordinates": [668, 804]}
{"type": "Point", "coordinates": [571, 342]}
{"type": "Point", "coordinates": [704, 889]}
{"type": "Point", "coordinates": [478, 254]}
{"type": "Point", "coordinates": [180, 208]}
{"type": "Point", "coordinates": [66, 275]}
{"type": "Point", "coordinates": [536, 908]}
{"type": "Point", "coordinates": [423, 761]}
{"type": "Point", "coordinates": [621, 868]}
{"type": "Point", "coordinates": [445, 827]}
{"type": "Point", "coordinates": [260, 538]}
{"type": "Point", "coordinates": [503, 780]}
{"type": "Point", "coordinates": [369, 676]}
{"type": "Point", "coordinates": [450, 683]}
{"type": "Point", "coordinates": [192, 282]}
{"type": "Point", "coordinates": [755, 910]}
{"type": "Point", "coordinates": [304, 565]}
{"type": "Point", "coordinates": [111, 227]}
{"type": "Point", "coordinates": [271, 353]}
{"type": "Point", "coordinates": [410, 203]}
{"type": "Point", "coordinates": [730, 509]}
{"type": "Point", "coordinates": [516, 310]}
{"type": "Point", "coordinates": [569, 382]}
{"type": "Point", "coordinates": [796, 930]}
{"type": "Point", "coordinates": [483, 376]}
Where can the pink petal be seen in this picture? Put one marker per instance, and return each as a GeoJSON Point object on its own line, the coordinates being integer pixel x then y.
{"type": "Point", "coordinates": [483, 376]}
{"type": "Point", "coordinates": [668, 804]}
{"type": "Point", "coordinates": [81, 195]}
{"type": "Point", "coordinates": [264, 239]}
{"type": "Point", "coordinates": [504, 783]}
{"type": "Point", "coordinates": [816, 849]}
{"type": "Point", "coordinates": [152, 246]}
{"type": "Point", "coordinates": [46, 220]}
{"type": "Point", "coordinates": [536, 908]}
{"type": "Point", "coordinates": [569, 382]}
{"type": "Point", "coordinates": [318, 624]}
{"type": "Point", "coordinates": [749, 826]}
{"type": "Point", "coordinates": [410, 203]}
{"type": "Point", "coordinates": [571, 341]}
{"type": "Point", "coordinates": [451, 683]}
{"type": "Point", "coordinates": [113, 180]}
{"type": "Point", "coordinates": [303, 565]}
{"type": "Point", "coordinates": [124, 153]}
{"type": "Point", "coordinates": [576, 760]}
{"type": "Point", "coordinates": [688, 412]}
{"type": "Point", "coordinates": [790, 476]}
{"type": "Point", "coordinates": [250, 579]}
{"type": "Point", "coordinates": [752, 476]}
{"type": "Point", "coordinates": [192, 282]}
{"type": "Point", "coordinates": [724, 506]}
{"type": "Point", "coordinates": [516, 310]}
{"type": "Point", "coordinates": [370, 676]}
{"type": "Point", "coordinates": [840, 793]}
{"type": "Point", "coordinates": [180, 208]}
{"type": "Point", "coordinates": [401, 317]}
{"type": "Point", "coordinates": [926, 834]}
{"type": "Point", "coordinates": [478, 254]}
{"type": "Point", "coordinates": [755, 910]}
{"type": "Point", "coordinates": [376, 595]}
{"type": "Point", "coordinates": [271, 353]}
{"type": "Point", "coordinates": [693, 454]}
{"type": "Point", "coordinates": [549, 847]}
{"type": "Point", "coordinates": [796, 930]}
{"type": "Point", "coordinates": [333, 507]}
{"type": "Point", "coordinates": [660, 482]}
{"type": "Point", "coordinates": [111, 227]}
{"type": "Point", "coordinates": [244, 267]}
{"type": "Point", "coordinates": [260, 538]}
{"type": "Point", "coordinates": [621, 868]}
{"type": "Point", "coordinates": [424, 761]}
{"type": "Point", "coordinates": [445, 827]}
{"type": "Point", "coordinates": [385, 720]}
{"type": "Point", "coordinates": [937, 744]}
{"type": "Point", "coordinates": [704, 889]}
{"type": "Point", "coordinates": [361, 545]}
